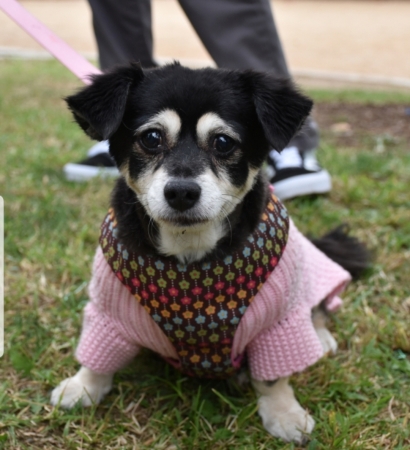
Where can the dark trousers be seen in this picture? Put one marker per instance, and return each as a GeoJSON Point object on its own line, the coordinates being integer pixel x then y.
{"type": "Point", "coordinates": [238, 34]}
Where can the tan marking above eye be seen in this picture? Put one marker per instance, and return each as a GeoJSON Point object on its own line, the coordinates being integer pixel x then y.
{"type": "Point", "coordinates": [212, 124]}
{"type": "Point", "coordinates": [166, 120]}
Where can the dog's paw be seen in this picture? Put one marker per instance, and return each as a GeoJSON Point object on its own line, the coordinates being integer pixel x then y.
{"type": "Point", "coordinates": [328, 342]}
{"type": "Point", "coordinates": [85, 386]}
{"type": "Point", "coordinates": [288, 422]}
{"type": "Point", "coordinates": [69, 392]}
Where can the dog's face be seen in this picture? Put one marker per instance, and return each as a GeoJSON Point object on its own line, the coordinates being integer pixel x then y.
{"type": "Point", "coordinates": [189, 143]}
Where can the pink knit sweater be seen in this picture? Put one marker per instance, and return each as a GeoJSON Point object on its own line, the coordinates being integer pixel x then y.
{"type": "Point", "coordinates": [276, 331]}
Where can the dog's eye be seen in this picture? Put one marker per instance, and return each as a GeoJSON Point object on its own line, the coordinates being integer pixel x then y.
{"type": "Point", "coordinates": [223, 143]}
{"type": "Point", "coordinates": [151, 139]}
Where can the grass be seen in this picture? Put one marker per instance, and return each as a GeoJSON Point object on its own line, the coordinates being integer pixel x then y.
{"type": "Point", "coordinates": [360, 96]}
{"type": "Point", "coordinates": [360, 398]}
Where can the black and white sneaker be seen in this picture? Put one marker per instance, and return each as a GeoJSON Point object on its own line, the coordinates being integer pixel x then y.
{"type": "Point", "coordinates": [294, 173]}
{"type": "Point", "coordinates": [97, 164]}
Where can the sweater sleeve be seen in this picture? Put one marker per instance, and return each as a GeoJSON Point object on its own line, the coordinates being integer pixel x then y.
{"type": "Point", "coordinates": [289, 346]}
{"type": "Point", "coordinates": [277, 330]}
{"type": "Point", "coordinates": [115, 325]}
{"type": "Point", "coordinates": [103, 346]}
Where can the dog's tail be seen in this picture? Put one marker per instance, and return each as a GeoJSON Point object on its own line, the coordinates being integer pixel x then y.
{"type": "Point", "coordinates": [345, 250]}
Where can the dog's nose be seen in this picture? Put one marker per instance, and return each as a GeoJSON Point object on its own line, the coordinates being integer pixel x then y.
{"type": "Point", "coordinates": [182, 195]}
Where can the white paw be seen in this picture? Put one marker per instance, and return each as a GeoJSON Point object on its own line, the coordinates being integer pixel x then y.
{"type": "Point", "coordinates": [85, 386]}
{"type": "Point", "coordinates": [291, 424]}
{"type": "Point", "coordinates": [328, 342]}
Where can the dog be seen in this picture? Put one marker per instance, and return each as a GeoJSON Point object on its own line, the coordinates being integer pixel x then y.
{"type": "Point", "coordinates": [198, 260]}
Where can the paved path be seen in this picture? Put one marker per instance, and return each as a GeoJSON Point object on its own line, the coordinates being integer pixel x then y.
{"type": "Point", "coordinates": [367, 38]}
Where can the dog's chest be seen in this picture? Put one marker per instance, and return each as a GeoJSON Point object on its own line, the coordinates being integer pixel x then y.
{"type": "Point", "coordinates": [199, 306]}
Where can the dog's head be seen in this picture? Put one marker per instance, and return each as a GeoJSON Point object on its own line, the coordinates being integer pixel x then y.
{"type": "Point", "coordinates": [189, 143]}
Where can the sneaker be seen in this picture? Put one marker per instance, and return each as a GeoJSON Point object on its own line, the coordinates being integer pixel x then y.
{"type": "Point", "coordinates": [294, 173]}
{"type": "Point", "coordinates": [99, 147]}
{"type": "Point", "coordinates": [97, 164]}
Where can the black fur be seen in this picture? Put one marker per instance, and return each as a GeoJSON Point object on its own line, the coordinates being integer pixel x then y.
{"type": "Point", "coordinates": [279, 109]}
{"type": "Point", "coordinates": [99, 108]}
{"type": "Point", "coordinates": [135, 228]}
{"type": "Point", "coordinates": [345, 250]}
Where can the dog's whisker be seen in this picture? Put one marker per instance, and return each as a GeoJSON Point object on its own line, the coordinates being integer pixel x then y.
{"type": "Point", "coordinates": [229, 223]}
{"type": "Point", "coordinates": [136, 202]}
{"type": "Point", "coordinates": [231, 195]}
{"type": "Point", "coordinates": [151, 224]}
{"type": "Point", "coordinates": [127, 127]}
{"type": "Point", "coordinates": [197, 244]}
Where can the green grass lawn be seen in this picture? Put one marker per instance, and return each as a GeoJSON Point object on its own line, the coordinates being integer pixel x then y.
{"type": "Point", "coordinates": [360, 398]}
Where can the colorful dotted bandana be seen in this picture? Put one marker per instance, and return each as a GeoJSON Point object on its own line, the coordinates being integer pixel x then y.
{"type": "Point", "coordinates": [199, 305]}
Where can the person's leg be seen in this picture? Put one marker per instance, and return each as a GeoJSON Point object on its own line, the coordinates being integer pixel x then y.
{"type": "Point", "coordinates": [238, 34]}
{"type": "Point", "coordinates": [241, 34]}
{"type": "Point", "coordinates": [123, 32]}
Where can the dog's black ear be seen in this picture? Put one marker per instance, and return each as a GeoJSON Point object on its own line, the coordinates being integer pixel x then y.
{"type": "Point", "coordinates": [280, 108]}
{"type": "Point", "coordinates": [99, 108]}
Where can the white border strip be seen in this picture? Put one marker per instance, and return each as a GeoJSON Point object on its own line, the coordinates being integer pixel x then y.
{"type": "Point", "coordinates": [1, 276]}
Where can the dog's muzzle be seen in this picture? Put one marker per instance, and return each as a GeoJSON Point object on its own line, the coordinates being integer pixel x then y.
{"type": "Point", "coordinates": [182, 195]}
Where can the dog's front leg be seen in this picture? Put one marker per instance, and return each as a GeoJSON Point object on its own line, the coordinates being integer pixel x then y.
{"type": "Point", "coordinates": [282, 416]}
{"type": "Point", "coordinates": [328, 342]}
{"type": "Point", "coordinates": [86, 386]}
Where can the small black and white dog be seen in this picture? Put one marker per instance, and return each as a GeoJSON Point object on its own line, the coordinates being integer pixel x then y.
{"type": "Point", "coordinates": [190, 146]}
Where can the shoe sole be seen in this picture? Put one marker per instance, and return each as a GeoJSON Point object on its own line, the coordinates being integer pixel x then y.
{"type": "Point", "coordinates": [80, 172]}
{"type": "Point", "coordinates": [308, 184]}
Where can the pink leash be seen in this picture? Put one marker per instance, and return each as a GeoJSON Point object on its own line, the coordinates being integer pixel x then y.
{"type": "Point", "coordinates": [74, 62]}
